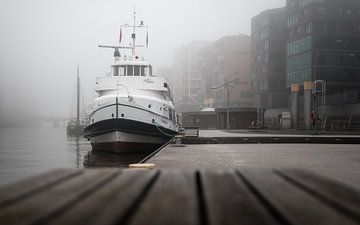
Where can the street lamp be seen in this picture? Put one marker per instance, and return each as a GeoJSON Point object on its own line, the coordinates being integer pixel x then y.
{"type": "Point", "coordinates": [229, 87]}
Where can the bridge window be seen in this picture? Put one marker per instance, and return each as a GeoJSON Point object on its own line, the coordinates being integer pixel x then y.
{"type": "Point", "coordinates": [122, 70]}
{"type": "Point", "coordinates": [142, 71]}
{"type": "Point", "coordinates": [136, 70]}
{"type": "Point", "coordinates": [130, 71]}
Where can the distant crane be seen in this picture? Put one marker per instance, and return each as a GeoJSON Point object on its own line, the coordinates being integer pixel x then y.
{"type": "Point", "coordinates": [229, 88]}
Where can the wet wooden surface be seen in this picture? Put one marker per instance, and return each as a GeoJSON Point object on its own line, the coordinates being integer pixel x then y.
{"type": "Point", "coordinates": [132, 196]}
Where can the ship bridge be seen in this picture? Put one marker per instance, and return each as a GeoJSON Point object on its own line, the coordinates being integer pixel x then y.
{"type": "Point", "coordinates": [131, 67]}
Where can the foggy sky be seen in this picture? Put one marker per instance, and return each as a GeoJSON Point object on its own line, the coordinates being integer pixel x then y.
{"type": "Point", "coordinates": [42, 42]}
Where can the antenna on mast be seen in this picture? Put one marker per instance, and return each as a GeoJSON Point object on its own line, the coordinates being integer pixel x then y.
{"type": "Point", "coordinates": [133, 37]}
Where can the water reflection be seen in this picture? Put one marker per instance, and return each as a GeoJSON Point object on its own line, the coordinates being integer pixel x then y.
{"type": "Point", "coordinates": [106, 159]}
{"type": "Point", "coordinates": [25, 152]}
{"type": "Point", "coordinates": [79, 147]}
{"type": "Point", "coordinates": [85, 157]}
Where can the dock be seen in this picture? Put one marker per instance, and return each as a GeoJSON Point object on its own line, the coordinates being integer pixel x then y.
{"type": "Point", "coordinates": [267, 137]}
{"type": "Point", "coordinates": [241, 178]}
{"type": "Point", "coordinates": [160, 196]}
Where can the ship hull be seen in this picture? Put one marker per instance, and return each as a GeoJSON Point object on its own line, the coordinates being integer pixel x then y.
{"type": "Point", "coordinates": [127, 136]}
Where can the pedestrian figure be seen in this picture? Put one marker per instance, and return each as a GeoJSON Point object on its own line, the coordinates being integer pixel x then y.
{"type": "Point", "coordinates": [313, 118]}
{"type": "Point", "coordinates": [280, 121]}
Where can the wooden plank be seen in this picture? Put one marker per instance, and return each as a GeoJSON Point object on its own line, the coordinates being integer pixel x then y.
{"type": "Point", "coordinates": [109, 204]}
{"type": "Point", "coordinates": [229, 201]}
{"type": "Point", "coordinates": [172, 200]}
{"type": "Point", "coordinates": [291, 204]}
{"type": "Point", "coordinates": [19, 191]}
{"type": "Point", "coordinates": [337, 195]}
{"type": "Point", "coordinates": [40, 207]}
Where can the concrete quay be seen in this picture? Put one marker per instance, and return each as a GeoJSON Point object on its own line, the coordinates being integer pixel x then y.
{"type": "Point", "coordinates": [334, 156]}
{"type": "Point", "coordinates": [340, 162]}
{"type": "Point", "coordinates": [259, 136]}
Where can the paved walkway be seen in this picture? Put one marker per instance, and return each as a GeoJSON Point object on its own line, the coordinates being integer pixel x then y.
{"type": "Point", "coordinates": [340, 162]}
{"type": "Point", "coordinates": [255, 133]}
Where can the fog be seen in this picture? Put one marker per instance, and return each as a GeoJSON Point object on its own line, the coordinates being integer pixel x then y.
{"type": "Point", "coordinates": [42, 42]}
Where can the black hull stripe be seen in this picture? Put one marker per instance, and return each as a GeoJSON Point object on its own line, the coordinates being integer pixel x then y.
{"type": "Point", "coordinates": [129, 126]}
{"type": "Point", "coordinates": [135, 107]}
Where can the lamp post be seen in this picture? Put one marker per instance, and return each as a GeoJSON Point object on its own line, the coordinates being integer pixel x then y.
{"type": "Point", "coordinates": [229, 88]}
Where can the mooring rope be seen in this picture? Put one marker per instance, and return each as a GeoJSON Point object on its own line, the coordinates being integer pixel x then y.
{"type": "Point", "coordinates": [161, 131]}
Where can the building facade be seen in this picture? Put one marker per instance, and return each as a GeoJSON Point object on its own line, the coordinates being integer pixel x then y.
{"type": "Point", "coordinates": [232, 60]}
{"type": "Point", "coordinates": [188, 88]}
{"type": "Point", "coordinates": [268, 59]}
{"type": "Point", "coordinates": [323, 43]}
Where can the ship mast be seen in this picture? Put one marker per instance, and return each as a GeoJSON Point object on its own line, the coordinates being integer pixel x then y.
{"type": "Point", "coordinates": [133, 45]}
{"type": "Point", "coordinates": [78, 97]}
{"type": "Point", "coordinates": [133, 35]}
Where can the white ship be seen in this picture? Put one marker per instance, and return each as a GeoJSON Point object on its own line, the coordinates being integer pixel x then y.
{"type": "Point", "coordinates": [134, 111]}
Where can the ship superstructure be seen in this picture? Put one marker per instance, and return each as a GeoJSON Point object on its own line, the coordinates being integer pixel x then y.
{"type": "Point", "coordinates": [134, 111]}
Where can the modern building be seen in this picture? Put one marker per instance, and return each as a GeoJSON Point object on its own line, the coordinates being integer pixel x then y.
{"type": "Point", "coordinates": [323, 44]}
{"type": "Point", "coordinates": [268, 59]}
{"type": "Point", "coordinates": [232, 61]}
{"type": "Point", "coordinates": [188, 88]}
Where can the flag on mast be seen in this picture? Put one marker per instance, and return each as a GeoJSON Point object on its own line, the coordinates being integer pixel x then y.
{"type": "Point", "coordinates": [120, 36]}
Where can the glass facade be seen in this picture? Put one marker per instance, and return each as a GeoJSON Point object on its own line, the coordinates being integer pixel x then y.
{"type": "Point", "coordinates": [324, 44]}
{"type": "Point", "coordinates": [299, 61]}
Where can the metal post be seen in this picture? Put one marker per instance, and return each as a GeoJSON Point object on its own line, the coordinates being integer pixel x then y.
{"type": "Point", "coordinates": [316, 114]}
{"type": "Point", "coordinates": [295, 88]}
{"type": "Point", "coordinates": [227, 109]}
{"type": "Point", "coordinates": [230, 86]}
{"type": "Point", "coordinates": [307, 104]}
{"type": "Point", "coordinates": [189, 70]}
{"type": "Point", "coordinates": [324, 108]}
{"type": "Point", "coordinates": [78, 96]}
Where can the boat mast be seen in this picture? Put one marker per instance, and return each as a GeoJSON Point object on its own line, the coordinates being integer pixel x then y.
{"type": "Point", "coordinates": [133, 45]}
{"type": "Point", "coordinates": [78, 97]}
{"type": "Point", "coordinates": [133, 35]}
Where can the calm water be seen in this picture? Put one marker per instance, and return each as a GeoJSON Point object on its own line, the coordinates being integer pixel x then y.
{"type": "Point", "coordinates": [28, 151]}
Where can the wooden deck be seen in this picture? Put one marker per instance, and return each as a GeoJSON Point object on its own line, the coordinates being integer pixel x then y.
{"type": "Point", "coordinates": [147, 197]}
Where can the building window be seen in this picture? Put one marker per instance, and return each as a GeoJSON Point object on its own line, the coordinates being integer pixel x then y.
{"type": "Point", "coordinates": [266, 44]}
{"type": "Point", "coordinates": [306, 12]}
{"type": "Point", "coordinates": [264, 21]}
{"type": "Point", "coordinates": [344, 11]}
{"type": "Point", "coordinates": [293, 20]}
{"type": "Point", "coordinates": [320, 27]}
{"type": "Point", "coordinates": [299, 29]}
{"type": "Point", "coordinates": [299, 46]}
{"type": "Point", "coordinates": [331, 27]}
{"type": "Point", "coordinates": [266, 58]}
{"type": "Point", "coordinates": [308, 28]}
{"type": "Point", "coordinates": [291, 32]}
{"type": "Point", "coordinates": [264, 84]}
{"type": "Point", "coordinates": [346, 27]}
{"type": "Point", "coordinates": [347, 12]}
{"type": "Point", "coordinates": [320, 10]}
{"type": "Point", "coordinates": [340, 11]}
